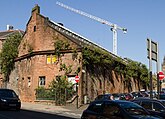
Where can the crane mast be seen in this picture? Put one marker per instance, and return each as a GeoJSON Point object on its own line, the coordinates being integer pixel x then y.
{"type": "Point", "coordinates": [114, 27]}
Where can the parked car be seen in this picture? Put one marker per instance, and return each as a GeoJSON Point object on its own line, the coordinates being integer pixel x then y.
{"type": "Point", "coordinates": [137, 94]}
{"type": "Point", "coordinates": [145, 94]}
{"type": "Point", "coordinates": [115, 109]}
{"type": "Point", "coordinates": [162, 96]}
{"type": "Point", "coordinates": [154, 106]}
{"type": "Point", "coordinates": [118, 96]}
{"type": "Point", "coordinates": [154, 94]}
{"type": "Point", "coordinates": [9, 99]}
{"type": "Point", "coordinates": [105, 97]}
{"type": "Point", "coordinates": [129, 96]}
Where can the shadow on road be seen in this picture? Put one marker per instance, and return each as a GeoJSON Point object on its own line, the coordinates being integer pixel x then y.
{"type": "Point", "coordinates": [28, 114]}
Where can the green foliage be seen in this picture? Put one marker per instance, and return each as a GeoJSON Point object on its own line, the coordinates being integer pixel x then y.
{"type": "Point", "coordinates": [42, 93]}
{"type": "Point", "coordinates": [130, 69]}
{"type": "Point", "coordinates": [78, 70]}
{"type": "Point", "coordinates": [9, 53]}
{"type": "Point", "coordinates": [60, 82]}
{"type": "Point", "coordinates": [60, 45]}
{"type": "Point", "coordinates": [75, 54]}
{"type": "Point", "coordinates": [136, 70]}
{"type": "Point", "coordinates": [96, 56]}
{"type": "Point", "coordinates": [67, 70]}
{"type": "Point", "coordinates": [59, 90]}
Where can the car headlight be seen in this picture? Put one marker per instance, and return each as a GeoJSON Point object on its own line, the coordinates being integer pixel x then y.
{"type": "Point", "coordinates": [3, 100]}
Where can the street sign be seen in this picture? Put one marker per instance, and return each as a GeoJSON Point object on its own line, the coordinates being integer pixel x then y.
{"type": "Point", "coordinates": [77, 79]}
{"type": "Point", "coordinates": [152, 50]}
{"type": "Point", "coordinates": [161, 75]}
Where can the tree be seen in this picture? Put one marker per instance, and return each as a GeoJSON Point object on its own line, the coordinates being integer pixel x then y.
{"type": "Point", "coordinates": [8, 53]}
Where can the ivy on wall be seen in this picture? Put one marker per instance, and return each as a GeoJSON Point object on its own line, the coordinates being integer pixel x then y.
{"type": "Point", "coordinates": [93, 55]}
{"type": "Point", "coordinates": [129, 68]}
{"type": "Point", "coordinates": [8, 53]}
{"type": "Point", "coordinates": [60, 45]}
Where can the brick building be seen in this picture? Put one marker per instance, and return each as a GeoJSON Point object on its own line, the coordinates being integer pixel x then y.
{"type": "Point", "coordinates": [37, 65]}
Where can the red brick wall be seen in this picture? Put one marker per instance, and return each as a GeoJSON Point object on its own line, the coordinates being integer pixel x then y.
{"type": "Point", "coordinates": [41, 40]}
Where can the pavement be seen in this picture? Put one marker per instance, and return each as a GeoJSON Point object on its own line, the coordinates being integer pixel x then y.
{"type": "Point", "coordinates": [69, 109]}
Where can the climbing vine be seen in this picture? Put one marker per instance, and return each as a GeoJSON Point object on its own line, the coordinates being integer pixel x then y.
{"type": "Point", "coordinates": [129, 68]}
{"type": "Point", "coordinates": [93, 55]}
{"type": "Point", "coordinates": [8, 53]}
{"type": "Point", "coordinates": [60, 45]}
{"type": "Point", "coordinates": [67, 70]}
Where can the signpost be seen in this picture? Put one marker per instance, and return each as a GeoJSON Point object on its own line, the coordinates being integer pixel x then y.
{"type": "Point", "coordinates": [152, 54]}
{"type": "Point", "coordinates": [77, 80]}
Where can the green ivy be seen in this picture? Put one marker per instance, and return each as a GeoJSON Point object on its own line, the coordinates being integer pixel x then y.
{"type": "Point", "coordinates": [92, 55]}
{"type": "Point", "coordinates": [60, 45]}
{"type": "Point", "coordinates": [9, 53]}
{"type": "Point", "coordinates": [129, 68]}
{"type": "Point", "coordinates": [67, 70]}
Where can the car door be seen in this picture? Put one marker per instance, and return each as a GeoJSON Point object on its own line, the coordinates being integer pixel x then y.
{"type": "Point", "coordinates": [153, 107]}
{"type": "Point", "coordinates": [157, 106]}
{"type": "Point", "coordinates": [111, 111]}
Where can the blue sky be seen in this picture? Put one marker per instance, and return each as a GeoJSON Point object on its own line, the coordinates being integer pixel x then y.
{"type": "Point", "coordinates": [143, 19]}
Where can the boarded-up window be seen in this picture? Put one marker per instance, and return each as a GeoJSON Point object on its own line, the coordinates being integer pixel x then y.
{"type": "Point", "coordinates": [48, 59]}
{"type": "Point", "coordinates": [54, 59]}
{"type": "Point", "coordinates": [51, 59]}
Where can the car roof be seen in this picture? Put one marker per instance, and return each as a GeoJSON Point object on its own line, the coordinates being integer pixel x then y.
{"type": "Point", "coordinates": [115, 101]}
{"type": "Point", "coordinates": [5, 89]}
{"type": "Point", "coordinates": [145, 98]}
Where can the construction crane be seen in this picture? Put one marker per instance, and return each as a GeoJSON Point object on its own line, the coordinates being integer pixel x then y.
{"type": "Point", "coordinates": [114, 27]}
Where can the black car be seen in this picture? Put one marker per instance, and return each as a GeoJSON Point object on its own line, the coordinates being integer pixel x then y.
{"type": "Point", "coordinates": [154, 106]}
{"type": "Point", "coordinates": [162, 96]}
{"type": "Point", "coordinates": [119, 96]}
{"type": "Point", "coordinates": [105, 97]}
{"type": "Point", "coordinates": [115, 109]}
{"type": "Point", "coordinates": [9, 99]}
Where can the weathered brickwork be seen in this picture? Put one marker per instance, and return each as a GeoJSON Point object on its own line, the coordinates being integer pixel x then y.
{"type": "Point", "coordinates": [38, 42]}
{"type": "Point", "coordinates": [39, 37]}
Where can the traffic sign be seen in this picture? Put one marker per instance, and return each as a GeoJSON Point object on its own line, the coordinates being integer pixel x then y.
{"type": "Point", "coordinates": [161, 75]}
{"type": "Point", "coordinates": [77, 79]}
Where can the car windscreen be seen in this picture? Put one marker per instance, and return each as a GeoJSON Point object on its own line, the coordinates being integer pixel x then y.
{"type": "Point", "coordinates": [7, 93]}
{"type": "Point", "coordinates": [133, 108]}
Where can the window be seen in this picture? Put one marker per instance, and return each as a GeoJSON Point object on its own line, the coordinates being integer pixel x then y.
{"type": "Point", "coordinates": [34, 28]}
{"type": "Point", "coordinates": [54, 59]}
{"type": "Point", "coordinates": [111, 111]}
{"type": "Point", "coordinates": [157, 106]}
{"type": "Point", "coordinates": [147, 105]}
{"type": "Point", "coordinates": [41, 80]}
{"type": "Point", "coordinates": [29, 82]}
{"type": "Point", "coordinates": [51, 59]}
{"type": "Point", "coordinates": [48, 59]}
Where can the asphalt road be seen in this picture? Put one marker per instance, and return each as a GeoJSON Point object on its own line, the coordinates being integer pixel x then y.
{"type": "Point", "coordinates": [27, 114]}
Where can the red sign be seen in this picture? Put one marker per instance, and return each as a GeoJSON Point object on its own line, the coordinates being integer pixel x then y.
{"type": "Point", "coordinates": [77, 79]}
{"type": "Point", "coordinates": [161, 75]}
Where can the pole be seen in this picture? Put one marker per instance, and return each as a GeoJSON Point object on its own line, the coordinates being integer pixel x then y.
{"type": "Point", "coordinates": [150, 67]}
{"type": "Point", "coordinates": [158, 81]}
{"type": "Point", "coordinates": [114, 30]}
{"type": "Point", "coordinates": [77, 95]}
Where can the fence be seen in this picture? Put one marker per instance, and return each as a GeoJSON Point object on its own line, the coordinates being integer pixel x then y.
{"type": "Point", "coordinates": [59, 96]}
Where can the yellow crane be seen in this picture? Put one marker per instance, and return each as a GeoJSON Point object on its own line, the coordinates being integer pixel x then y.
{"type": "Point", "coordinates": [114, 27]}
